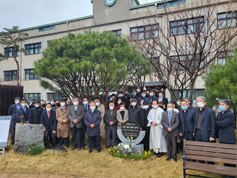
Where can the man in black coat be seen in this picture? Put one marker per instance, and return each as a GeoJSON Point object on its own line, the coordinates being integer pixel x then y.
{"type": "Point", "coordinates": [226, 125]}
{"type": "Point", "coordinates": [152, 97]}
{"type": "Point", "coordinates": [35, 113]}
{"type": "Point", "coordinates": [23, 111]}
{"type": "Point", "coordinates": [143, 124]}
{"type": "Point", "coordinates": [134, 111]}
{"type": "Point", "coordinates": [110, 124]}
{"type": "Point", "coordinates": [126, 98]}
{"type": "Point", "coordinates": [161, 97]}
{"type": "Point", "coordinates": [92, 120]}
{"type": "Point", "coordinates": [12, 111]}
{"type": "Point", "coordinates": [186, 119]}
{"type": "Point", "coordinates": [48, 119]}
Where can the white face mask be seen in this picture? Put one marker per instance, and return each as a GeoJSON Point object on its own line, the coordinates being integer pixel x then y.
{"type": "Point", "coordinates": [169, 109]}
{"type": "Point", "coordinates": [200, 104]}
{"type": "Point", "coordinates": [23, 104]}
{"type": "Point", "coordinates": [122, 108]}
{"type": "Point", "coordinates": [160, 95]}
{"type": "Point", "coordinates": [48, 109]}
{"type": "Point", "coordinates": [17, 102]}
{"type": "Point", "coordinates": [155, 106]}
{"type": "Point", "coordinates": [178, 103]}
{"type": "Point", "coordinates": [119, 102]}
{"type": "Point", "coordinates": [62, 104]}
{"type": "Point", "coordinates": [52, 102]}
{"type": "Point", "coordinates": [37, 105]}
{"type": "Point", "coordinates": [97, 104]}
{"type": "Point", "coordinates": [85, 102]}
{"type": "Point", "coordinates": [120, 95]}
{"type": "Point", "coordinates": [151, 94]}
{"type": "Point", "coordinates": [92, 108]}
{"type": "Point", "coordinates": [138, 90]}
{"type": "Point", "coordinates": [75, 103]}
{"type": "Point", "coordinates": [146, 107]}
{"type": "Point", "coordinates": [143, 95]}
{"type": "Point", "coordinates": [111, 108]}
{"type": "Point", "coordinates": [133, 104]}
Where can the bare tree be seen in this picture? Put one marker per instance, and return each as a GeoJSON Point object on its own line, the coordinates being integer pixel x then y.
{"type": "Point", "coordinates": [191, 36]}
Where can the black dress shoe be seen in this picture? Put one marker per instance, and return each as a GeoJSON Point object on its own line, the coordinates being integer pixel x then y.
{"type": "Point", "coordinates": [155, 153]}
{"type": "Point", "coordinates": [175, 159]}
{"type": "Point", "coordinates": [83, 147]}
{"type": "Point", "coordinates": [90, 151]}
{"type": "Point", "coordinates": [168, 158]}
{"type": "Point", "coordinates": [159, 155]}
{"type": "Point", "coordinates": [99, 151]}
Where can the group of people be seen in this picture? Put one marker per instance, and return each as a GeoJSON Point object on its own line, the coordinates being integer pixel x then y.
{"type": "Point", "coordinates": [164, 122]}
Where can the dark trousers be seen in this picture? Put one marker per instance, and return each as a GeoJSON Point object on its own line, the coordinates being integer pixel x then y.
{"type": "Point", "coordinates": [146, 139]}
{"type": "Point", "coordinates": [96, 140]}
{"type": "Point", "coordinates": [171, 141]}
{"type": "Point", "coordinates": [110, 132]}
{"type": "Point", "coordinates": [48, 136]}
{"type": "Point", "coordinates": [62, 141]}
{"type": "Point", "coordinates": [13, 129]}
{"type": "Point", "coordinates": [76, 136]}
{"type": "Point", "coordinates": [188, 136]}
{"type": "Point", "coordinates": [83, 135]}
{"type": "Point", "coordinates": [198, 137]}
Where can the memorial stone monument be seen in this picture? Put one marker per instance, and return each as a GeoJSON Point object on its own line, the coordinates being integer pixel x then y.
{"type": "Point", "coordinates": [4, 131]}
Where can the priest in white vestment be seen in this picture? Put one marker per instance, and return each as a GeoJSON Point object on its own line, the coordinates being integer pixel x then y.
{"type": "Point", "coordinates": [157, 140]}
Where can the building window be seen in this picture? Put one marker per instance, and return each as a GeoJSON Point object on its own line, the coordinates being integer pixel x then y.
{"type": "Point", "coordinates": [29, 75]}
{"type": "Point", "coordinates": [53, 95]}
{"type": "Point", "coordinates": [171, 4]}
{"type": "Point", "coordinates": [46, 28]}
{"type": "Point", "coordinates": [187, 26]}
{"type": "Point", "coordinates": [31, 96]}
{"type": "Point", "coordinates": [225, 20]}
{"type": "Point", "coordinates": [9, 52]}
{"type": "Point", "coordinates": [117, 32]}
{"type": "Point", "coordinates": [33, 48]}
{"type": "Point", "coordinates": [141, 33]}
{"type": "Point", "coordinates": [10, 75]}
{"type": "Point", "coordinates": [221, 59]}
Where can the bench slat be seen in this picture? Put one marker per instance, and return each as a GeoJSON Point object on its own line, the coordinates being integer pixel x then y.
{"type": "Point", "coordinates": [210, 154]}
{"type": "Point", "coordinates": [210, 149]}
{"type": "Point", "coordinates": [210, 144]}
{"type": "Point", "coordinates": [211, 159]}
{"type": "Point", "coordinates": [215, 169]}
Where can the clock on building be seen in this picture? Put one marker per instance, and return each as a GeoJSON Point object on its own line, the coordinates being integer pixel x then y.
{"type": "Point", "coordinates": [109, 3]}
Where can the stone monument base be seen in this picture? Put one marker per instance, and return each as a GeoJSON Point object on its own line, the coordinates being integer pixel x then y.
{"type": "Point", "coordinates": [28, 135]}
{"type": "Point", "coordinates": [138, 149]}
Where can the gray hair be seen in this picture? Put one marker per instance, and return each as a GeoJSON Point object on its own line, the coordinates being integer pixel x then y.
{"type": "Point", "coordinates": [201, 98]}
{"type": "Point", "coordinates": [92, 102]}
{"type": "Point", "coordinates": [224, 101]}
{"type": "Point", "coordinates": [75, 98]}
{"type": "Point", "coordinates": [171, 104]}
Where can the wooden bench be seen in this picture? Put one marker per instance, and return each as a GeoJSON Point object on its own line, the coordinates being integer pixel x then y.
{"type": "Point", "coordinates": [213, 152]}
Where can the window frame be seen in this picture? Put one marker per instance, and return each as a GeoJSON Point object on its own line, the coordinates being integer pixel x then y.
{"type": "Point", "coordinates": [31, 75]}
{"type": "Point", "coordinates": [33, 47]}
{"type": "Point", "coordinates": [226, 18]}
{"type": "Point", "coordinates": [6, 51]}
{"type": "Point", "coordinates": [12, 74]}
{"type": "Point", "coordinates": [143, 32]}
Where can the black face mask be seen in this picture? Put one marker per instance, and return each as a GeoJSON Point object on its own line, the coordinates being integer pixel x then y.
{"type": "Point", "coordinates": [58, 104]}
{"type": "Point", "coordinates": [43, 105]}
{"type": "Point", "coordinates": [161, 107]}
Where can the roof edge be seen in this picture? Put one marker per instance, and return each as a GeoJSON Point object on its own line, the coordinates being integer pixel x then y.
{"type": "Point", "coordinates": [148, 4]}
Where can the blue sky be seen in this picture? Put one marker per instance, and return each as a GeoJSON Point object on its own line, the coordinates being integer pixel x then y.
{"type": "Point", "coordinates": [29, 13]}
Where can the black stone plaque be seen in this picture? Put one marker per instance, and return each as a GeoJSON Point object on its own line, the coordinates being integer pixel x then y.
{"type": "Point", "coordinates": [130, 128]}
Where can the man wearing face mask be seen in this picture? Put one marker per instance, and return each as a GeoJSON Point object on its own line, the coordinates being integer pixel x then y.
{"type": "Point", "coordinates": [170, 123]}
{"type": "Point", "coordinates": [152, 97]}
{"type": "Point", "coordinates": [126, 98]}
{"type": "Point", "coordinates": [23, 111]}
{"type": "Point", "coordinates": [35, 113]}
{"type": "Point", "coordinates": [52, 101]}
{"type": "Point", "coordinates": [138, 92]}
{"type": "Point", "coordinates": [143, 124]}
{"type": "Point", "coordinates": [32, 104]}
{"type": "Point", "coordinates": [85, 102]}
{"type": "Point", "coordinates": [161, 97]}
{"type": "Point", "coordinates": [48, 119]}
{"type": "Point", "coordinates": [134, 94]}
{"type": "Point", "coordinates": [101, 108]}
{"type": "Point", "coordinates": [178, 102]}
{"type": "Point", "coordinates": [63, 123]}
{"type": "Point", "coordinates": [225, 124]}
{"type": "Point", "coordinates": [157, 139]}
{"type": "Point", "coordinates": [92, 120]}
{"type": "Point", "coordinates": [110, 124]}
{"type": "Point", "coordinates": [43, 105]}
{"type": "Point", "coordinates": [76, 114]}
{"type": "Point", "coordinates": [189, 101]}
{"type": "Point", "coordinates": [205, 122]}
{"type": "Point", "coordinates": [57, 105]}
{"type": "Point", "coordinates": [143, 97]}
{"type": "Point", "coordinates": [134, 111]}
{"type": "Point", "coordinates": [12, 111]}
